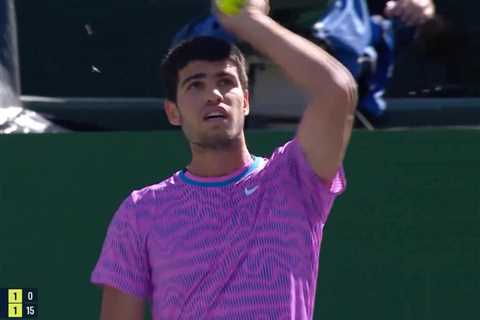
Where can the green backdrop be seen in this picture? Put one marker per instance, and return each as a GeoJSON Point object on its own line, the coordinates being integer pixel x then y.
{"type": "Point", "coordinates": [402, 243]}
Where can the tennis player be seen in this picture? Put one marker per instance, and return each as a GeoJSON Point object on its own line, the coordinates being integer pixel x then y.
{"type": "Point", "coordinates": [233, 235]}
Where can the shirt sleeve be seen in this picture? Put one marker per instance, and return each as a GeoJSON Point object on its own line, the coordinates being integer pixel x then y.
{"type": "Point", "coordinates": [317, 195]}
{"type": "Point", "coordinates": [123, 262]}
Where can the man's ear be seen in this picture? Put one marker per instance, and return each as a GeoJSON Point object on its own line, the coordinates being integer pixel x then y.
{"type": "Point", "coordinates": [246, 103]}
{"type": "Point", "coordinates": [173, 114]}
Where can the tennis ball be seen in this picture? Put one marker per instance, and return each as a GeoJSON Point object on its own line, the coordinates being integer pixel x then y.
{"type": "Point", "coordinates": [230, 7]}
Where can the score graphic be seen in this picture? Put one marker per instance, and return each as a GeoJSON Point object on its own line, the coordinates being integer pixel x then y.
{"type": "Point", "coordinates": [16, 303]}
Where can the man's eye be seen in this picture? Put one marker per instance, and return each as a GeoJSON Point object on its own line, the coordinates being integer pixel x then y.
{"type": "Point", "coordinates": [195, 85]}
{"type": "Point", "coordinates": [226, 82]}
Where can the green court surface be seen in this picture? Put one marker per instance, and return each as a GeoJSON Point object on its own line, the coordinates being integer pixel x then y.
{"type": "Point", "coordinates": [402, 243]}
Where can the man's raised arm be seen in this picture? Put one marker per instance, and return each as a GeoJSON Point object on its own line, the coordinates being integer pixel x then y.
{"type": "Point", "coordinates": [325, 129]}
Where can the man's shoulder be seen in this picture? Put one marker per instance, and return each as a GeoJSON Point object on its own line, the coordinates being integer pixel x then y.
{"type": "Point", "coordinates": [289, 160]}
{"type": "Point", "coordinates": [155, 192]}
{"type": "Point", "coordinates": [277, 163]}
{"type": "Point", "coordinates": [282, 151]}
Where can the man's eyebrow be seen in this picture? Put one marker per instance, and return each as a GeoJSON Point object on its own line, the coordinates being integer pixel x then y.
{"type": "Point", "coordinates": [193, 77]}
{"type": "Point", "coordinates": [224, 74]}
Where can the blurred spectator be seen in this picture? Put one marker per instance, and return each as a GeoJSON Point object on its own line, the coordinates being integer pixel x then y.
{"type": "Point", "coordinates": [365, 43]}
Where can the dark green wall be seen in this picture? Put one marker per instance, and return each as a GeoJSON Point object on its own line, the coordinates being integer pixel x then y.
{"type": "Point", "coordinates": [402, 243]}
{"type": "Point", "coordinates": [128, 39]}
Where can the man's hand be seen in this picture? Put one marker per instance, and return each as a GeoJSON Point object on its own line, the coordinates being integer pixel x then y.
{"type": "Point", "coordinates": [235, 22]}
{"type": "Point", "coordinates": [411, 12]}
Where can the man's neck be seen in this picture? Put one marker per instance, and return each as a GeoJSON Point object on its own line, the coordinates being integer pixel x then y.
{"type": "Point", "coordinates": [217, 163]}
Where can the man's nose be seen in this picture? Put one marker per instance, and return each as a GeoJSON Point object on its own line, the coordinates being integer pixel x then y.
{"type": "Point", "coordinates": [215, 95]}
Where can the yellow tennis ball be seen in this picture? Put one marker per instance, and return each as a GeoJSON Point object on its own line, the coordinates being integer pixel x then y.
{"type": "Point", "coordinates": [230, 7]}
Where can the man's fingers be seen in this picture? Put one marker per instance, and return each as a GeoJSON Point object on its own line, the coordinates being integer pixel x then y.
{"type": "Point", "coordinates": [389, 7]}
{"type": "Point", "coordinates": [411, 16]}
{"type": "Point", "coordinates": [429, 12]}
{"type": "Point", "coordinates": [410, 12]}
{"type": "Point", "coordinates": [394, 9]}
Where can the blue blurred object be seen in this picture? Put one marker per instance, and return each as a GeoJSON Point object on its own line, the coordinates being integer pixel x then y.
{"type": "Point", "coordinates": [345, 28]}
{"type": "Point", "coordinates": [364, 44]}
{"type": "Point", "coordinates": [382, 62]}
{"type": "Point", "coordinates": [203, 26]}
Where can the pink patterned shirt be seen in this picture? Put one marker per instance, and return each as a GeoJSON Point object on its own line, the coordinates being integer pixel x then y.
{"type": "Point", "coordinates": [245, 246]}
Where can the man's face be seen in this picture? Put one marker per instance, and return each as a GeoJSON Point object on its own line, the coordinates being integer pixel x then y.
{"type": "Point", "coordinates": [211, 104]}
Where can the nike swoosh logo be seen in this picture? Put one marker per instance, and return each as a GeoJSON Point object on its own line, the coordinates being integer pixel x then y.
{"type": "Point", "coordinates": [249, 192]}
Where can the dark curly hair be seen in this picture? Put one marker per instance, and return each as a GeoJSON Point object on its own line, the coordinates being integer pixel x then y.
{"type": "Point", "coordinates": [200, 48]}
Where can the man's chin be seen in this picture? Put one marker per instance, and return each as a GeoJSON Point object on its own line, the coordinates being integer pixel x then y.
{"type": "Point", "coordinates": [219, 141]}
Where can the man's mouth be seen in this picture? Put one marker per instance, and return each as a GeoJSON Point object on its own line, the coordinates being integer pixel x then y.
{"type": "Point", "coordinates": [214, 115]}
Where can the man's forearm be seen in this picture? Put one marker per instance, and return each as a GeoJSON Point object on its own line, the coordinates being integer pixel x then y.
{"type": "Point", "coordinates": [308, 66]}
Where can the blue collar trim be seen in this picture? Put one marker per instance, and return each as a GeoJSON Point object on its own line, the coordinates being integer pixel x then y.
{"type": "Point", "coordinates": [243, 174]}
